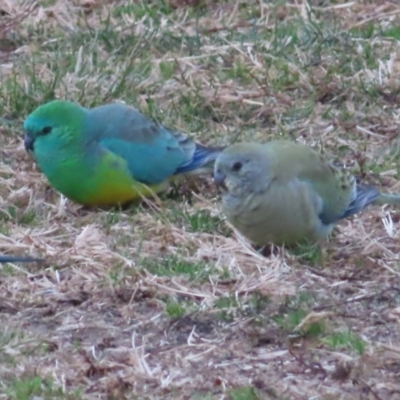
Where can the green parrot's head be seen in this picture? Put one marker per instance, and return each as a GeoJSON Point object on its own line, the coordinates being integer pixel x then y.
{"type": "Point", "coordinates": [54, 125]}
{"type": "Point", "coordinates": [241, 169]}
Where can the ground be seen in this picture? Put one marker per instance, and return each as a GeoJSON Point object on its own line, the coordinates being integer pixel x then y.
{"type": "Point", "coordinates": [165, 300]}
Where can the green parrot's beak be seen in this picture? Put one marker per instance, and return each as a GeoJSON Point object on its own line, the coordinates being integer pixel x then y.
{"type": "Point", "coordinates": [29, 142]}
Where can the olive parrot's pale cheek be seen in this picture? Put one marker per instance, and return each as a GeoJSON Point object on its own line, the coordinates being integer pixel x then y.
{"type": "Point", "coordinates": [233, 186]}
{"type": "Point", "coordinates": [230, 185]}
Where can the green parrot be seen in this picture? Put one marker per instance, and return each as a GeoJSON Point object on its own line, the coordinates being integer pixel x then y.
{"type": "Point", "coordinates": [283, 192]}
{"type": "Point", "coordinates": [111, 154]}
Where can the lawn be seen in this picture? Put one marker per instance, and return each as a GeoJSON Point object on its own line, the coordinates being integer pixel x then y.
{"type": "Point", "coordinates": [165, 300]}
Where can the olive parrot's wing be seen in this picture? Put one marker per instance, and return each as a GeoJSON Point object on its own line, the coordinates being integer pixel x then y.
{"type": "Point", "coordinates": [336, 187]}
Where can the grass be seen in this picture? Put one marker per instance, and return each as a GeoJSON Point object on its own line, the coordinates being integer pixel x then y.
{"type": "Point", "coordinates": [167, 301]}
{"type": "Point", "coordinates": [346, 339]}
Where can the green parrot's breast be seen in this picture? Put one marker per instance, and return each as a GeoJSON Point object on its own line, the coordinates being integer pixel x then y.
{"type": "Point", "coordinates": [95, 177]}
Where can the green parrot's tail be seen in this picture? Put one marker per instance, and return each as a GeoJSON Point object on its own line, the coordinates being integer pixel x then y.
{"type": "Point", "coordinates": [202, 160]}
{"type": "Point", "coordinates": [386, 198]}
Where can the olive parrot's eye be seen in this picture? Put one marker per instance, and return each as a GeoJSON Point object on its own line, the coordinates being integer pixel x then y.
{"type": "Point", "coordinates": [237, 166]}
{"type": "Point", "coordinates": [46, 130]}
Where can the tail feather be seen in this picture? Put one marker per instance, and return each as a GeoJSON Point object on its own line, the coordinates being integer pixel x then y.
{"type": "Point", "coordinates": [7, 259]}
{"type": "Point", "coordinates": [386, 198]}
{"type": "Point", "coordinates": [202, 161]}
{"type": "Point", "coordinates": [364, 196]}
{"type": "Point", "coordinates": [367, 195]}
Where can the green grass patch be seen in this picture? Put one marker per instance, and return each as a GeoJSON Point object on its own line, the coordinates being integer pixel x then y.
{"type": "Point", "coordinates": [346, 340]}
{"type": "Point", "coordinates": [175, 266]}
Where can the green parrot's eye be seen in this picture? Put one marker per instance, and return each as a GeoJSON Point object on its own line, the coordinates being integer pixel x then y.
{"type": "Point", "coordinates": [237, 166]}
{"type": "Point", "coordinates": [46, 130]}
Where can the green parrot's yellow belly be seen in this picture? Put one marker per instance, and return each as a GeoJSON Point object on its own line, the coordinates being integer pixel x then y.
{"type": "Point", "coordinates": [105, 183]}
{"type": "Point", "coordinates": [111, 193]}
{"type": "Point", "coordinates": [118, 192]}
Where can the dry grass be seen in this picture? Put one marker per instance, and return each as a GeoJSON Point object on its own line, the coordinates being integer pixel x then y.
{"type": "Point", "coordinates": [165, 301]}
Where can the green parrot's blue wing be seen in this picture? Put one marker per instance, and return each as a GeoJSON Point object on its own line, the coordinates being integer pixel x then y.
{"type": "Point", "coordinates": [153, 153]}
{"type": "Point", "coordinates": [149, 164]}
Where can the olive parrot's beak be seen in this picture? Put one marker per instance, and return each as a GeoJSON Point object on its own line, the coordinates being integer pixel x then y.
{"type": "Point", "coordinates": [219, 179]}
{"type": "Point", "coordinates": [29, 142]}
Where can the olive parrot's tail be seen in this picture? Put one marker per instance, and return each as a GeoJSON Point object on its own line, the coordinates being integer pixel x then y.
{"type": "Point", "coordinates": [367, 195]}
{"type": "Point", "coordinates": [386, 198]}
{"type": "Point", "coordinates": [364, 196]}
